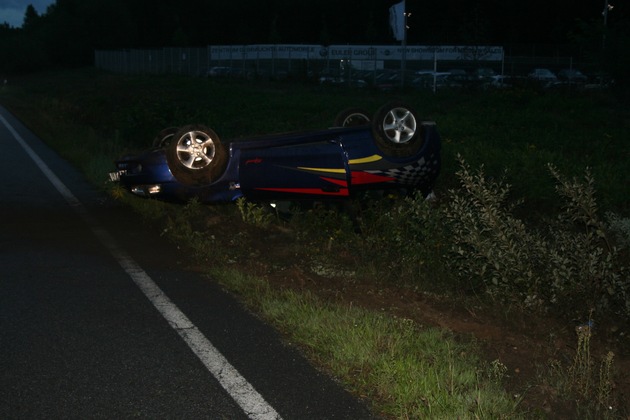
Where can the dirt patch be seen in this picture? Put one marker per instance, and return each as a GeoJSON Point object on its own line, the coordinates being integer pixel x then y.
{"type": "Point", "coordinates": [532, 347]}
{"type": "Point", "coordinates": [529, 348]}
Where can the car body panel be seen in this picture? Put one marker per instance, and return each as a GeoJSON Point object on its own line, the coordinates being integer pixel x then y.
{"type": "Point", "coordinates": [316, 167]}
{"type": "Point", "coordinates": [324, 164]}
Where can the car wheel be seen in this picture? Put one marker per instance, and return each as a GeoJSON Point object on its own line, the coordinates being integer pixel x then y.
{"type": "Point", "coordinates": [396, 130]}
{"type": "Point", "coordinates": [351, 117]}
{"type": "Point", "coordinates": [164, 137]}
{"type": "Point", "coordinates": [196, 155]}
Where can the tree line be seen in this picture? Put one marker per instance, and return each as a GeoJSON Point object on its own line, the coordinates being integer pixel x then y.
{"type": "Point", "coordinates": [68, 32]}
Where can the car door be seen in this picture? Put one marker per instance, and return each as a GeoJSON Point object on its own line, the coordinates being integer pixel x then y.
{"type": "Point", "coordinates": [305, 166]}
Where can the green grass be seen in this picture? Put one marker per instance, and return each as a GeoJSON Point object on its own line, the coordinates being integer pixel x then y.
{"type": "Point", "coordinates": [520, 131]}
{"type": "Point", "coordinates": [405, 370]}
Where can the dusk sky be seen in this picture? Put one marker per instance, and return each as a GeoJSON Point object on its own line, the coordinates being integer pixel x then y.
{"type": "Point", "coordinates": [12, 11]}
{"type": "Point", "coordinates": [151, 23]}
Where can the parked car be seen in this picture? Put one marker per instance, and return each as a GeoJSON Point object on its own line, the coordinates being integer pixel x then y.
{"type": "Point", "coordinates": [219, 71]}
{"type": "Point", "coordinates": [330, 80]}
{"type": "Point", "coordinates": [499, 81]}
{"type": "Point", "coordinates": [457, 78]}
{"type": "Point", "coordinates": [430, 79]}
{"type": "Point", "coordinates": [544, 76]}
{"type": "Point", "coordinates": [387, 80]}
{"type": "Point", "coordinates": [600, 81]}
{"type": "Point", "coordinates": [484, 74]}
{"type": "Point", "coordinates": [394, 149]}
{"type": "Point", "coordinates": [572, 76]}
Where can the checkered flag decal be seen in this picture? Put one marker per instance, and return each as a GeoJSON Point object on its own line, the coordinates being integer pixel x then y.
{"type": "Point", "coordinates": [414, 173]}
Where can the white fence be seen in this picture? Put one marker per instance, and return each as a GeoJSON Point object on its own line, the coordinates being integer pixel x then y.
{"type": "Point", "coordinates": [335, 62]}
{"type": "Point", "coordinates": [350, 65]}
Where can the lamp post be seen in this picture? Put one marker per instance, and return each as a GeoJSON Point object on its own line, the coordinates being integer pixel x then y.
{"type": "Point", "coordinates": [403, 62]}
{"type": "Point", "coordinates": [398, 21]}
{"type": "Point", "coordinates": [607, 8]}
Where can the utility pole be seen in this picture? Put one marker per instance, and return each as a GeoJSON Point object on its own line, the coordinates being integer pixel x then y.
{"type": "Point", "coordinates": [403, 63]}
{"type": "Point", "coordinates": [398, 22]}
{"type": "Point", "coordinates": [607, 8]}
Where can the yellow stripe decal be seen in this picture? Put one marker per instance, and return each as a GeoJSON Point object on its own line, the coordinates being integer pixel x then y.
{"type": "Point", "coordinates": [368, 159]}
{"type": "Point", "coordinates": [329, 170]}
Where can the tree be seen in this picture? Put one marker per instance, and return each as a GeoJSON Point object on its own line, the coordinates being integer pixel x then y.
{"type": "Point", "coordinates": [71, 30]}
{"type": "Point", "coordinates": [31, 18]}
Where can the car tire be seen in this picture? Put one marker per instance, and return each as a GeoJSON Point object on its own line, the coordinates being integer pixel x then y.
{"type": "Point", "coordinates": [196, 155]}
{"type": "Point", "coordinates": [396, 129]}
{"type": "Point", "coordinates": [352, 117]}
{"type": "Point", "coordinates": [164, 137]}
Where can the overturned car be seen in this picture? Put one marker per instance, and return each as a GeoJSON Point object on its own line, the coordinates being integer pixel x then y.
{"type": "Point", "coordinates": [392, 150]}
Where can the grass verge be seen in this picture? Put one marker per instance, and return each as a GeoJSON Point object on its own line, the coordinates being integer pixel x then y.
{"type": "Point", "coordinates": [404, 370]}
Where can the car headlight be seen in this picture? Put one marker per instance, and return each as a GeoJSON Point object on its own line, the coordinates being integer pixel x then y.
{"type": "Point", "coordinates": [146, 190]}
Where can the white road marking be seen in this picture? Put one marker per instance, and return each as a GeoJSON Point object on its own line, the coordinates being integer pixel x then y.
{"type": "Point", "coordinates": [252, 403]}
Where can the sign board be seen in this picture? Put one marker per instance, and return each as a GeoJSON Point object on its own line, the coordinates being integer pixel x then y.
{"type": "Point", "coordinates": [356, 52]}
{"type": "Point", "coordinates": [426, 53]}
{"type": "Point", "coordinates": [265, 52]}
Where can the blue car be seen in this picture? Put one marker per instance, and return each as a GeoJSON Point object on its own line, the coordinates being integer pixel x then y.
{"type": "Point", "coordinates": [392, 150]}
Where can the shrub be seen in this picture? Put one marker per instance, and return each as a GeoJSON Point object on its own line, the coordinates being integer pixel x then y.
{"type": "Point", "coordinates": [254, 214]}
{"type": "Point", "coordinates": [401, 238]}
{"type": "Point", "coordinates": [620, 227]}
{"type": "Point", "coordinates": [490, 248]}
{"type": "Point", "coordinates": [567, 262]}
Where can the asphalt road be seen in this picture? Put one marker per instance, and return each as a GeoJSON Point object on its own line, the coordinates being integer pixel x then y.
{"type": "Point", "coordinates": [100, 319]}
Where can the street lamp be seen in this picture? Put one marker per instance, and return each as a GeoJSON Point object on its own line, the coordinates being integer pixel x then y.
{"type": "Point", "coordinates": [607, 8]}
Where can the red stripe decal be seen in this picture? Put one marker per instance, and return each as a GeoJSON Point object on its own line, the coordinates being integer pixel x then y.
{"type": "Point", "coordinates": [359, 178]}
{"type": "Point", "coordinates": [341, 182]}
{"type": "Point", "coordinates": [343, 192]}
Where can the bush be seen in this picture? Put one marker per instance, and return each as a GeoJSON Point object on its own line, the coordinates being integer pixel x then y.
{"type": "Point", "coordinates": [567, 263]}
{"type": "Point", "coordinates": [400, 239]}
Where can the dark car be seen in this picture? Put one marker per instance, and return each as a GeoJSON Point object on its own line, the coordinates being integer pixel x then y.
{"type": "Point", "coordinates": [544, 77]}
{"type": "Point", "coordinates": [458, 78]}
{"type": "Point", "coordinates": [572, 76]}
{"type": "Point", "coordinates": [393, 150]}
